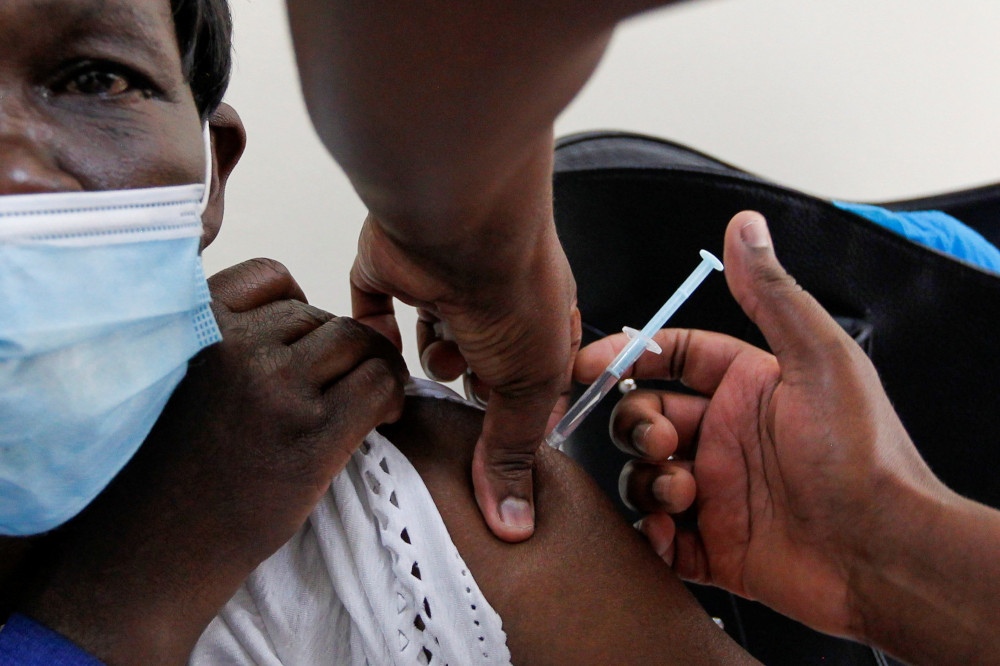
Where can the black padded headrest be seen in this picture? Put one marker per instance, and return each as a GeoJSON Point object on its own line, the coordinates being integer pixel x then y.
{"type": "Point", "coordinates": [632, 213]}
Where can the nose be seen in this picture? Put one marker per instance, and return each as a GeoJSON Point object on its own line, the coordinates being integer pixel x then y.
{"type": "Point", "coordinates": [27, 167]}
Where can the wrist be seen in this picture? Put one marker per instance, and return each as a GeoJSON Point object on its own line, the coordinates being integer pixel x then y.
{"type": "Point", "coordinates": [883, 567]}
{"type": "Point", "coordinates": [927, 588]}
{"type": "Point", "coordinates": [487, 228]}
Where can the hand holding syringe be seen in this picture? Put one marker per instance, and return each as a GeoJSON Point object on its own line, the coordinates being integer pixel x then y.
{"type": "Point", "coordinates": [639, 342]}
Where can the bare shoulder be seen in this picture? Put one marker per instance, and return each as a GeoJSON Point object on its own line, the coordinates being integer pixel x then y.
{"type": "Point", "coordinates": [585, 589]}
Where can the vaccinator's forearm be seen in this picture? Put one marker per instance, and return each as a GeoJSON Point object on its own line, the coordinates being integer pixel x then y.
{"type": "Point", "coordinates": [931, 597]}
{"type": "Point", "coordinates": [440, 111]}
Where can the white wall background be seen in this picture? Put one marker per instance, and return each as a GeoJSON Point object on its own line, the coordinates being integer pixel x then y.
{"type": "Point", "coordinates": [862, 99]}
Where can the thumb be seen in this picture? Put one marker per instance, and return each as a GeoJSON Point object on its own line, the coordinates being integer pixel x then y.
{"type": "Point", "coordinates": [800, 332]}
{"type": "Point", "coordinates": [504, 460]}
{"type": "Point", "coordinates": [372, 307]}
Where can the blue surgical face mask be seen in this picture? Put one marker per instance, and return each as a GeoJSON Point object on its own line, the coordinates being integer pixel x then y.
{"type": "Point", "coordinates": [102, 302]}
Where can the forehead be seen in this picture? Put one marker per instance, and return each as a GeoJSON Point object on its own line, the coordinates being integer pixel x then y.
{"type": "Point", "coordinates": [145, 24]}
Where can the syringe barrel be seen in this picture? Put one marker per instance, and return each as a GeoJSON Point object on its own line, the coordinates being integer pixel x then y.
{"type": "Point", "coordinates": [628, 355]}
{"type": "Point", "coordinates": [631, 352]}
{"type": "Point", "coordinates": [582, 407]}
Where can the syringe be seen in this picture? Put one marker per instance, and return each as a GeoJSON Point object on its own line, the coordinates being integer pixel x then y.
{"type": "Point", "coordinates": [639, 341]}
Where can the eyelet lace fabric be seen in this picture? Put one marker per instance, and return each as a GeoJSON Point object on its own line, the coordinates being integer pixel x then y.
{"type": "Point", "coordinates": [372, 578]}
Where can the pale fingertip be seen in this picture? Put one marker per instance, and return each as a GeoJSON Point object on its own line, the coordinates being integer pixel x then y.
{"type": "Point", "coordinates": [442, 361]}
{"type": "Point", "coordinates": [754, 232]}
{"type": "Point", "coordinates": [473, 387]}
{"type": "Point", "coordinates": [661, 489]}
{"type": "Point", "coordinates": [426, 366]}
{"type": "Point", "coordinates": [623, 480]}
{"type": "Point", "coordinates": [660, 544]}
{"type": "Point", "coordinates": [638, 437]}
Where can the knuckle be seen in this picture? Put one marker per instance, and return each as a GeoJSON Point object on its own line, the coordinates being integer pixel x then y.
{"type": "Point", "coordinates": [533, 394]}
{"type": "Point", "coordinates": [304, 315]}
{"type": "Point", "coordinates": [679, 355]}
{"type": "Point", "coordinates": [239, 345]}
{"type": "Point", "coordinates": [507, 465]}
{"type": "Point", "coordinates": [348, 330]}
{"type": "Point", "coordinates": [385, 382]}
{"type": "Point", "coordinates": [233, 285]}
{"type": "Point", "coordinates": [250, 270]}
{"type": "Point", "coordinates": [260, 274]}
{"type": "Point", "coordinates": [223, 316]}
{"type": "Point", "coordinates": [262, 269]}
{"type": "Point", "coordinates": [774, 279]}
{"type": "Point", "coordinates": [312, 415]}
{"type": "Point", "coordinates": [302, 415]}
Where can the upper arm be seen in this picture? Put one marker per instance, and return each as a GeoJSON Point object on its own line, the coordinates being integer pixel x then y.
{"type": "Point", "coordinates": [585, 588]}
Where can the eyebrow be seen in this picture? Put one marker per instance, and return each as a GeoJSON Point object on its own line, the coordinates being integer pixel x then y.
{"type": "Point", "coordinates": [117, 24]}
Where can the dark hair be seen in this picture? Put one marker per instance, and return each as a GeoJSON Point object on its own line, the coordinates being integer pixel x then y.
{"type": "Point", "coordinates": [205, 37]}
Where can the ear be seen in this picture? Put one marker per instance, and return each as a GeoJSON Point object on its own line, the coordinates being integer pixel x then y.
{"type": "Point", "coordinates": [229, 138]}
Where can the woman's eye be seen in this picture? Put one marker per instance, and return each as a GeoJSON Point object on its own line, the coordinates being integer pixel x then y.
{"type": "Point", "coordinates": [96, 82]}
{"type": "Point", "coordinates": [102, 79]}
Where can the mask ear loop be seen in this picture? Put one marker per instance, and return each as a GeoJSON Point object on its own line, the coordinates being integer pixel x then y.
{"type": "Point", "coordinates": [206, 195]}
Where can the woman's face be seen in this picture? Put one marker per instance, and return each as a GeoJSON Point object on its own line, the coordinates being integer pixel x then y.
{"type": "Point", "coordinates": [93, 97]}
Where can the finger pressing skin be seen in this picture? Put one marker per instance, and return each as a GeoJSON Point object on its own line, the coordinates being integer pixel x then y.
{"type": "Point", "coordinates": [657, 424]}
{"type": "Point", "coordinates": [657, 488]}
{"type": "Point", "coordinates": [335, 348]}
{"type": "Point", "coordinates": [502, 464]}
{"type": "Point", "coordinates": [287, 321]}
{"type": "Point", "coordinates": [252, 284]}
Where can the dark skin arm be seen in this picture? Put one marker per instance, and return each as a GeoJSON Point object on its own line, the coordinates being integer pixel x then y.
{"type": "Point", "coordinates": [585, 589]}
{"type": "Point", "coordinates": [249, 436]}
{"type": "Point", "coordinates": [245, 448]}
{"type": "Point", "coordinates": [441, 114]}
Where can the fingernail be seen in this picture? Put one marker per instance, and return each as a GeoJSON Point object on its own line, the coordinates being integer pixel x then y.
{"type": "Point", "coordinates": [639, 436]}
{"type": "Point", "coordinates": [661, 489]}
{"type": "Point", "coordinates": [516, 513]}
{"type": "Point", "coordinates": [754, 233]}
{"type": "Point", "coordinates": [659, 544]}
{"type": "Point", "coordinates": [424, 363]}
